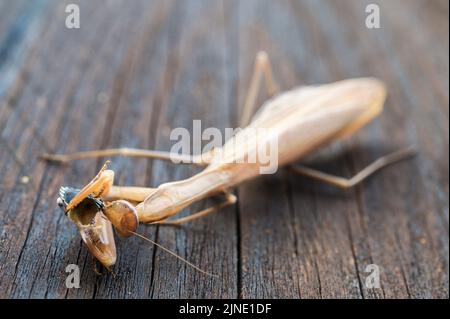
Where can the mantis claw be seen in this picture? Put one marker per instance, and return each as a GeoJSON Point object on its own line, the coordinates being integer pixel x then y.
{"type": "Point", "coordinates": [98, 186]}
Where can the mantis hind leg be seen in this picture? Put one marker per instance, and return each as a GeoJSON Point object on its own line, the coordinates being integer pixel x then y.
{"type": "Point", "coordinates": [342, 182]}
{"type": "Point", "coordinates": [97, 187]}
{"type": "Point", "coordinates": [261, 69]}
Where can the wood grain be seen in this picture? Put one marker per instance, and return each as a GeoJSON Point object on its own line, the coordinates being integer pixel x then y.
{"type": "Point", "coordinates": [135, 71]}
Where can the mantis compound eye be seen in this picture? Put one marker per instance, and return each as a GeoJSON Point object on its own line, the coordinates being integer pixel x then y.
{"type": "Point", "coordinates": [60, 203]}
{"type": "Point", "coordinates": [123, 216]}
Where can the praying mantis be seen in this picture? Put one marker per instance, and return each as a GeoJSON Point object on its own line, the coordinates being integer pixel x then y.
{"type": "Point", "coordinates": [303, 120]}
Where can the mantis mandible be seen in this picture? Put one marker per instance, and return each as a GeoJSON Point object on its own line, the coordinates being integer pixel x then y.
{"type": "Point", "coordinates": [304, 119]}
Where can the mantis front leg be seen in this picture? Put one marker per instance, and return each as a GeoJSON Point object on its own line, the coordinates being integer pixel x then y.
{"type": "Point", "coordinates": [121, 213]}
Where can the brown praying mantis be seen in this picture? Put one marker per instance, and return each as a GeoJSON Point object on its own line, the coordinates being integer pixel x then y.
{"type": "Point", "coordinates": [302, 119]}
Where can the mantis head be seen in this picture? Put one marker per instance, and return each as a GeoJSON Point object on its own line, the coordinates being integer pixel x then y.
{"type": "Point", "coordinates": [88, 208]}
{"type": "Point", "coordinates": [94, 228]}
{"type": "Point", "coordinates": [94, 217]}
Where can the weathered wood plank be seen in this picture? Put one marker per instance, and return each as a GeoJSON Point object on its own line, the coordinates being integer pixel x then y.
{"type": "Point", "coordinates": [349, 230]}
{"type": "Point", "coordinates": [268, 244]}
{"type": "Point", "coordinates": [200, 91]}
{"type": "Point", "coordinates": [129, 80]}
{"type": "Point", "coordinates": [67, 128]}
{"type": "Point", "coordinates": [314, 254]}
{"type": "Point", "coordinates": [134, 124]}
{"type": "Point", "coordinates": [417, 230]}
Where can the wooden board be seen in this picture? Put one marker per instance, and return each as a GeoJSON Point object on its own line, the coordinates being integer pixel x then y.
{"type": "Point", "coordinates": [136, 70]}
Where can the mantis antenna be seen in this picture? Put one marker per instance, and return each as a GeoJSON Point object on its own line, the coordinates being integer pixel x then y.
{"type": "Point", "coordinates": [173, 254]}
